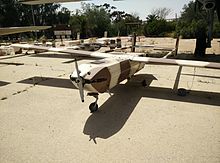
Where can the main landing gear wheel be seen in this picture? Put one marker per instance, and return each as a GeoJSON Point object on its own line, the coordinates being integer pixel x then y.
{"type": "Point", "coordinates": [182, 92]}
{"type": "Point", "coordinates": [93, 107]}
{"type": "Point", "coordinates": [144, 83]}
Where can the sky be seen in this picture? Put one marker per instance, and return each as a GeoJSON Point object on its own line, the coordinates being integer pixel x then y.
{"type": "Point", "coordinates": [141, 7]}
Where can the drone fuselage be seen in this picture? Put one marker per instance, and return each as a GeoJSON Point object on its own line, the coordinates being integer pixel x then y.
{"type": "Point", "coordinates": [102, 75]}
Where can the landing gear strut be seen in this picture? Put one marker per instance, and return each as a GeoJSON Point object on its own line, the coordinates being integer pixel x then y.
{"type": "Point", "coordinates": [93, 107]}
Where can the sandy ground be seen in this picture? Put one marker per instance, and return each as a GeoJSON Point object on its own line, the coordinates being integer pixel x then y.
{"type": "Point", "coordinates": [46, 121]}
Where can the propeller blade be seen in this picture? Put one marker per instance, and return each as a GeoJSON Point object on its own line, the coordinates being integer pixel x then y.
{"type": "Point", "coordinates": [81, 91]}
{"type": "Point", "coordinates": [77, 68]}
{"type": "Point", "coordinates": [79, 82]}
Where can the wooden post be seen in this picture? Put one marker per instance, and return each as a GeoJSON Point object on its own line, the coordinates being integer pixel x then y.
{"type": "Point", "coordinates": [78, 36]}
{"type": "Point", "coordinates": [105, 34]}
{"type": "Point", "coordinates": [133, 42]}
{"type": "Point", "coordinates": [177, 45]}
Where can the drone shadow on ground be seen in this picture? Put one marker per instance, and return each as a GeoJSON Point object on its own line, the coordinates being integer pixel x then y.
{"type": "Point", "coordinates": [114, 113]}
{"type": "Point", "coordinates": [3, 83]}
{"type": "Point", "coordinates": [49, 81]}
{"type": "Point", "coordinates": [13, 56]}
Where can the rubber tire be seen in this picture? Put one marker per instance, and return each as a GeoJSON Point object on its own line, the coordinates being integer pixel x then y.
{"type": "Point", "coordinates": [144, 83]}
{"type": "Point", "coordinates": [93, 107]}
{"type": "Point", "coordinates": [181, 92]}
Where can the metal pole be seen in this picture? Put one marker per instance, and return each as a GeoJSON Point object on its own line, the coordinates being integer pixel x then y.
{"type": "Point", "coordinates": [177, 37]}
{"type": "Point", "coordinates": [177, 45]}
{"type": "Point", "coordinates": [133, 42]}
{"type": "Point", "coordinates": [33, 20]}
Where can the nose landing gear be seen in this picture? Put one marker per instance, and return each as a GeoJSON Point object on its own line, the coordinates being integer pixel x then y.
{"type": "Point", "coordinates": [93, 107]}
{"type": "Point", "coordinates": [144, 83]}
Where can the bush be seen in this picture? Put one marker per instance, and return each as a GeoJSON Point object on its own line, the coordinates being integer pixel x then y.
{"type": "Point", "coordinates": [216, 30]}
{"type": "Point", "coordinates": [158, 27]}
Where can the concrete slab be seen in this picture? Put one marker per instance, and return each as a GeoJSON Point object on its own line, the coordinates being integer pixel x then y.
{"type": "Point", "coordinates": [43, 120]}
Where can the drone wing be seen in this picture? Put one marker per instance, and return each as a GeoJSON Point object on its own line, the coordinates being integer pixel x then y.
{"type": "Point", "coordinates": [68, 51]}
{"type": "Point", "coordinates": [164, 61]}
{"type": "Point", "coordinates": [125, 56]}
{"type": "Point", "coordinates": [37, 2]}
{"type": "Point", "coordinates": [14, 30]}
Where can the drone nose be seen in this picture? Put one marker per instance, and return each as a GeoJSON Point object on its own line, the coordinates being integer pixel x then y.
{"type": "Point", "coordinates": [77, 80]}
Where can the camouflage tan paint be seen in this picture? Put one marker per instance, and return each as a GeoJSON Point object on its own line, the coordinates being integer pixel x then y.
{"type": "Point", "coordinates": [105, 74]}
{"type": "Point", "coordinates": [125, 70]}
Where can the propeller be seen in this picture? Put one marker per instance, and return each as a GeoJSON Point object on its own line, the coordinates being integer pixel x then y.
{"type": "Point", "coordinates": [79, 82]}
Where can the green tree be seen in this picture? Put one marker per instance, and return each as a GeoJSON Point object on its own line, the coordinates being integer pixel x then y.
{"type": "Point", "coordinates": [162, 12]}
{"type": "Point", "coordinates": [98, 19]}
{"type": "Point", "coordinates": [194, 23]}
{"type": "Point", "coordinates": [46, 14]}
{"type": "Point", "coordinates": [216, 31]}
{"type": "Point", "coordinates": [78, 23]}
{"type": "Point", "coordinates": [11, 13]}
{"type": "Point", "coordinates": [92, 20]}
{"type": "Point", "coordinates": [156, 26]}
{"type": "Point", "coordinates": [63, 16]}
{"type": "Point", "coordinates": [189, 19]}
{"type": "Point", "coordinates": [124, 23]}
